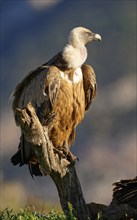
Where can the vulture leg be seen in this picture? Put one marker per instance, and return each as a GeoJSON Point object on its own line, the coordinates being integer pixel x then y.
{"type": "Point", "coordinates": [60, 152]}
{"type": "Point", "coordinates": [71, 157]}
{"type": "Point", "coordinates": [64, 152]}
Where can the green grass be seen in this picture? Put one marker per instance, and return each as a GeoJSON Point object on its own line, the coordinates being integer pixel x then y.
{"type": "Point", "coordinates": [30, 214]}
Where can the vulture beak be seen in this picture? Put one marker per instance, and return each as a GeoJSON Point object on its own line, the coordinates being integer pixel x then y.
{"type": "Point", "coordinates": [96, 37]}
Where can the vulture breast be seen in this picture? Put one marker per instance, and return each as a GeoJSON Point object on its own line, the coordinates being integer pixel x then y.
{"type": "Point", "coordinates": [70, 108]}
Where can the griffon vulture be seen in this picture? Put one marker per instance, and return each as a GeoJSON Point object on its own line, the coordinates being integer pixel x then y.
{"type": "Point", "coordinates": [60, 91]}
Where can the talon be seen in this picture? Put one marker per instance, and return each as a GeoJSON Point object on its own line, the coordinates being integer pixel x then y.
{"type": "Point", "coordinates": [59, 152]}
{"type": "Point", "coordinates": [71, 157]}
{"type": "Point", "coordinates": [64, 153]}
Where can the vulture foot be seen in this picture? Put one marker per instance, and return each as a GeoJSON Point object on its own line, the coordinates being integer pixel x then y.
{"type": "Point", "coordinates": [65, 153]}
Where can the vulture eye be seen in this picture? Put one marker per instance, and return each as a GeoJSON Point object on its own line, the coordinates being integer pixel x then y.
{"type": "Point", "coordinates": [88, 34]}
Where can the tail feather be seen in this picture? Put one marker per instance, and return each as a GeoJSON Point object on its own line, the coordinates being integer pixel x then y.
{"type": "Point", "coordinates": [35, 170]}
{"type": "Point", "coordinates": [16, 158]}
{"type": "Point", "coordinates": [25, 155]}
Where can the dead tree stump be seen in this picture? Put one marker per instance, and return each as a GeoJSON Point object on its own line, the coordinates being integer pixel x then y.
{"type": "Point", "coordinates": [63, 173]}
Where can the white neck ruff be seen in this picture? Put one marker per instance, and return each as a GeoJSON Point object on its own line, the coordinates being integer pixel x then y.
{"type": "Point", "coordinates": [75, 56]}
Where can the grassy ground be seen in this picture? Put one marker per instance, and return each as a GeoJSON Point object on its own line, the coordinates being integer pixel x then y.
{"type": "Point", "coordinates": [29, 213]}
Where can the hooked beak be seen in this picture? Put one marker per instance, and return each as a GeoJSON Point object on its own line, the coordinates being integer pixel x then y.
{"type": "Point", "coordinates": [96, 37]}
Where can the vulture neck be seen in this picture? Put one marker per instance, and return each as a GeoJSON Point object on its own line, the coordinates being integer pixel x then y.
{"type": "Point", "coordinates": [75, 55]}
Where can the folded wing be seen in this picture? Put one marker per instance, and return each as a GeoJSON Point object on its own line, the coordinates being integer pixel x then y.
{"type": "Point", "coordinates": [40, 87]}
{"type": "Point", "coordinates": [90, 85]}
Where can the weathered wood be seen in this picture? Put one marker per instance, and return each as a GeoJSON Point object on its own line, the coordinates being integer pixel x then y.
{"type": "Point", "coordinates": [63, 173]}
{"type": "Point", "coordinates": [123, 205]}
{"type": "Point", "coordinates": [124, 202]}
{"type": "Point", "coordinates": [69, 191]}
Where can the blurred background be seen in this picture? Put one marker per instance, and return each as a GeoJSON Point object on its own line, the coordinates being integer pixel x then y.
{"type": "Point", "coordinates": [31, 33]}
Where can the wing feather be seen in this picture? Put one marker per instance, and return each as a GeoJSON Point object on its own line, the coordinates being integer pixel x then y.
{"type": "Point", "coordinates": [40, 88]}
{"type": "Point", "coordinates": [90, 85]}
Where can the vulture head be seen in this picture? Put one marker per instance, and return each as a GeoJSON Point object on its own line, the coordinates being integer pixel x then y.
{"type": "Point", "coordinates": [81, 35]}
{"type": "Point", "coordinates": [75, 52]}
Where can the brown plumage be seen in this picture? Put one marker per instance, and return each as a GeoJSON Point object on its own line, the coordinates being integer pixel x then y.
{"type": "Point", "coordinates": [60, 90]}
